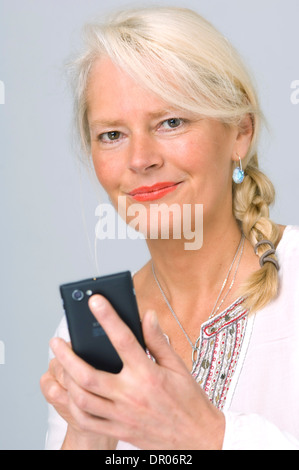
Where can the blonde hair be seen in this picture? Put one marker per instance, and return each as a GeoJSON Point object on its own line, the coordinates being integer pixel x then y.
{"type": "Point", "coordinates": [183, 59]}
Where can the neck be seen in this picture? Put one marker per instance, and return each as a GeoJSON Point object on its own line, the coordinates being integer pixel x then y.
{"type": "Point", "coordinates": [196, 274]}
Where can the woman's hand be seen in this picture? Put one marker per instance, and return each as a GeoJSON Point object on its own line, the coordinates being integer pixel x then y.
{"type": "Point", "coordinates": [54, 388]}
{"type": "Point", "coordinates": [152, 405]}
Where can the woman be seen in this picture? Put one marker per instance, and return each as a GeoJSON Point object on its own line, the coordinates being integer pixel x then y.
{"type": "Point", "coordinates": [168, 113]}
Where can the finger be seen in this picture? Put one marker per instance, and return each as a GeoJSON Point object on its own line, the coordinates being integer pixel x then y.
{"type": "Point", "coordinates": [53, 392]}
{"type": "Point", "coordinates": [95, 381]}
{"type": "Point", "coordinates": [158, 344]}
{"type": "Point", "coordinates": [91, 424]}
{"type": "Point", "coordinates": [57, 371]}
{"type": "Point", "coordinates": [89, 403]}
{"type": "Point", "coordinates": [120, 335]}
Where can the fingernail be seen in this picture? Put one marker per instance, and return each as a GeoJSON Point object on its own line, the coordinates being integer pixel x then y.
{"type": "Point", "coordinates": [97, 302]}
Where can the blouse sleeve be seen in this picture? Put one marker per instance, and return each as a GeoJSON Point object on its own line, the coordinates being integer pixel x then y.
{"type": "Point", "coordinates": [57, 426]}
{"type": "Point", "coordinates": [275, 336]}
{"type": "Point", "coordinates": [253, 432]}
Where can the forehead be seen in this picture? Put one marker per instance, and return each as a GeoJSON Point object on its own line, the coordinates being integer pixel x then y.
{"type": "Point", "coordinates": [111, 90]}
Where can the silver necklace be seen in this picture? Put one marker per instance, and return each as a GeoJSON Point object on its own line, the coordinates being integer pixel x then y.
{"type": "Point", "coordinates": [195, 350]}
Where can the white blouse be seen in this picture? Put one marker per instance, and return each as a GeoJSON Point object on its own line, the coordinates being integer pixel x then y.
{"type": "Point", "coordinates": [248, 366]}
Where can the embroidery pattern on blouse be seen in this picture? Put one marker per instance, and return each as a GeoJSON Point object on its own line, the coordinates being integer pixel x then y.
{"type": "Point", "coordinates": [220, 344]}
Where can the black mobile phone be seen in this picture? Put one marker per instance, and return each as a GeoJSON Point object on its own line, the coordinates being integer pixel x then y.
{"type": "Point", "coordinates": [89, 340]}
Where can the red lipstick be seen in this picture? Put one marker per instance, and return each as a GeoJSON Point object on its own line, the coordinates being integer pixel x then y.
{"type": "Point", "coordinates": [151, 193]}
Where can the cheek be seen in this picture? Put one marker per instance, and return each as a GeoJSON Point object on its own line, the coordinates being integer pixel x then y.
{"type": "Point", "coordinates": [205, 157]}
{"type": "Point", "coordinates": [196, 155]}
{"type": "Point", "coordinates": [107, 171]}
{"type": "Point", "coordinates": [207, 154]}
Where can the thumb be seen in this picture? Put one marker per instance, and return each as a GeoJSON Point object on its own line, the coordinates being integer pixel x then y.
{"type": "Point", "coordinates": [157, 343]}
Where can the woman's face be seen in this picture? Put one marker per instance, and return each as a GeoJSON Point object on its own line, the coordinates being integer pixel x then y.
{"type": "Point", "coordinates": [152, 153]}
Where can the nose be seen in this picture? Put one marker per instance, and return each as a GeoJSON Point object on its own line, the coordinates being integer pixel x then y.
{"type": "Point", "coordinates": [144, 154]}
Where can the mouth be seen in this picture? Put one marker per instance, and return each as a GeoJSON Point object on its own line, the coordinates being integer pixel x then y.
{"type": "Point", "coordinates": [151, 193]}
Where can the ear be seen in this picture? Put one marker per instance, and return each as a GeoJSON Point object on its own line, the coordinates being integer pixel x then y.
{"type": "Point", "coordinates": [244, 137]}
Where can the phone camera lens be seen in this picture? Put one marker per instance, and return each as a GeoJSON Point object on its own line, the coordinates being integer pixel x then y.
{"type": "Point", "coordinates": [77, 295]}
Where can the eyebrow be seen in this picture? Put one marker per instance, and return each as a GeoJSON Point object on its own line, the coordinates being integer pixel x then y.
{"type": "Point", "coordinates": [120, 122]}
{"type": "Point", "coordinates": [105, 123]}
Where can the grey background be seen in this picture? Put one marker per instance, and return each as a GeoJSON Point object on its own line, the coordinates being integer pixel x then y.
{"type": "Point", "coordinates": [47, 199]}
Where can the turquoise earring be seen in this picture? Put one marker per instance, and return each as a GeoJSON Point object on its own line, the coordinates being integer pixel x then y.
{"type": "Point", "coordinates": [238, 174]}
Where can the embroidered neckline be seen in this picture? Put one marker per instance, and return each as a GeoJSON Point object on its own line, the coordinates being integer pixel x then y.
{"type": "Point", "coordinates": [220, 348]}
{"type": "Point", "coordinates": [220, 344]}
{"type": "Point", "coordinates": [228, 315]}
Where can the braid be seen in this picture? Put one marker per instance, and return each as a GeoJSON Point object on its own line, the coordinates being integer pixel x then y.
{"type": "Point", "coordinates": [251, 201]}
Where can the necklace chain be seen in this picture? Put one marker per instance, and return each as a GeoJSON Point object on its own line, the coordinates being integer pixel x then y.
{"type": "Point", "coordinates": [194, 347]}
